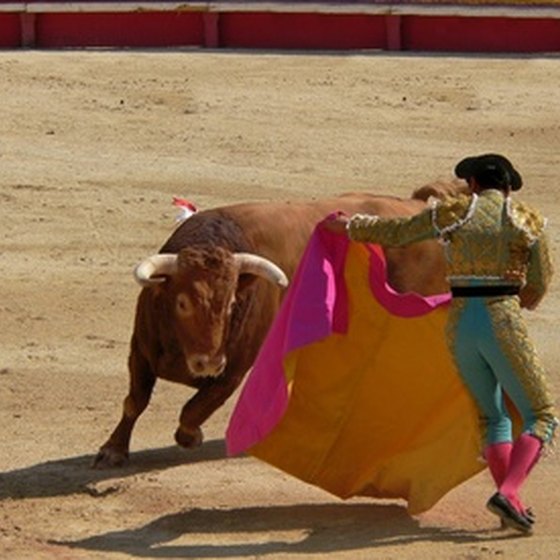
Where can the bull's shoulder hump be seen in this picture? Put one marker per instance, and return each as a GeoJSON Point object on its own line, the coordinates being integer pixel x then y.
{"type": "Point", "coordinates": [216, 226]}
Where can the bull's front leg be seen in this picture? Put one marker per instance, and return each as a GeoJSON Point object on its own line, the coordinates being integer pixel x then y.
{"type": "Point", "coordinates": [212, 393]}
{"type": "Point", "coordinates": [114, 452]}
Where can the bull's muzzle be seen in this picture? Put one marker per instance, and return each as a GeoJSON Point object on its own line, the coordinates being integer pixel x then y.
{"type": "Point", "coordinates": [203, 365]}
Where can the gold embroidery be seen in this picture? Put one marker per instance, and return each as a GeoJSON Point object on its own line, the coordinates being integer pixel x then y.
{"type": "Point", "coordinates": [486, 237]}
{"type": "Point", "coordinates": [391, 232]}
{"type": "Point", "coordinates": [511, 332]}
{"type": "Point", "coordinates": [496, 243]}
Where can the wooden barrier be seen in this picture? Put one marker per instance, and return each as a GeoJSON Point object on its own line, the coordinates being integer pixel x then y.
{"type": "Point", "coordinates": [470, 26]}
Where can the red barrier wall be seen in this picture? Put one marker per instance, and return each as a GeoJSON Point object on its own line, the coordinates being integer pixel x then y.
{"type": "Point", "coordinates": [10, 34]}
{"type": "Point", "coordinates": [155, 29]}
{"type": "Point", "coordinates": [475, 34]}
{"type": "Point", "coordinates": [280, 25]}
{"type": "Point", "coordinates": [302, 31]}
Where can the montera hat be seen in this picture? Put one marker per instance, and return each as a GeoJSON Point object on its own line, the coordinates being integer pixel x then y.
{"type": "Point", "coordinates": [489, 165]}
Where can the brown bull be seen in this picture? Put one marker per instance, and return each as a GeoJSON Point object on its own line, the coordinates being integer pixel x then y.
{"type": "Point", "coordinates": [211, 293]}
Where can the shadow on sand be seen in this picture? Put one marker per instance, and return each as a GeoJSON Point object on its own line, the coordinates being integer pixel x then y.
{"type": "Point", "coordinates": [285, 529]}
{"type": "Point", "coordinates": [251, 531]}
{"type": "Point", "coordinates": [75, 475]}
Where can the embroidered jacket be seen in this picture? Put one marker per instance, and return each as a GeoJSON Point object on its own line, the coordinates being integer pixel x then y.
{"type": "Point", "coordinates": [488, 238]}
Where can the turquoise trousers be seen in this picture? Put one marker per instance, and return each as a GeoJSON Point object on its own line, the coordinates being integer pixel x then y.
{"type": "Point", "coordinates": [495, 356]}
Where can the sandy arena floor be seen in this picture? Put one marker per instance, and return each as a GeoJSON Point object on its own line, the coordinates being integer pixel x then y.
{"type": "Point", "coordinates": [92, 147]}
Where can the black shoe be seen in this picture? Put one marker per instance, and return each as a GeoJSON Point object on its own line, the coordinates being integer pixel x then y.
{"type": "Point", "coordinates": [499, 505]}
{"type": "Point", "coordinates": [530, 515]}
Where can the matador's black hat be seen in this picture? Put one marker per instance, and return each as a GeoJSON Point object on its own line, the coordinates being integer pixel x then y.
{"type": "Point", "coordinates": [489, 165]}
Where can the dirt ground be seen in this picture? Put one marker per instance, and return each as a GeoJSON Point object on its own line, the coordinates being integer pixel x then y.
{"type": "Point", "coordinates": [93, 145]}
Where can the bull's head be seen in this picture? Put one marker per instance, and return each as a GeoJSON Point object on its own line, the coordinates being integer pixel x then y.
{"type": "Point", "coordinates": [202, 283]}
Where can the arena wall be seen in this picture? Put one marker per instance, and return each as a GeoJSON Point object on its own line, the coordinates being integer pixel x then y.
{"type": "Point", "coordinates": [480, 26]}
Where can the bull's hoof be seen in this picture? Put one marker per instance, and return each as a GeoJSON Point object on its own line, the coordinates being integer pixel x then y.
{"type": "Point", "coordinates": [108, 458]}
{"type": "Point", "coordinates": [189, 438]}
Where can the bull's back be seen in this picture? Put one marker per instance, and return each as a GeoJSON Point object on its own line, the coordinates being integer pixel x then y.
{"type": "Point", "coordinates": [281, 231]}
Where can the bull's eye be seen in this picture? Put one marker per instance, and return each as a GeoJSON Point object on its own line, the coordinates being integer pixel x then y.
{"type": "Point", "coordinates": [184, 306]}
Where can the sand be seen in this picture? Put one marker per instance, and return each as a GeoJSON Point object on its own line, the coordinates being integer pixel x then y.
{"type": "Point", "coordinates": [93, 145]}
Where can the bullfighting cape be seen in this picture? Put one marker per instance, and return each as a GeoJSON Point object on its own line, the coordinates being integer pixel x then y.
{"type": "Point", "coordinates": [354, 389]}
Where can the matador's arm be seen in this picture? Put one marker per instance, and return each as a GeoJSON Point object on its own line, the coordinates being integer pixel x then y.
{"type": "Point", "coordinates": [391, 231]}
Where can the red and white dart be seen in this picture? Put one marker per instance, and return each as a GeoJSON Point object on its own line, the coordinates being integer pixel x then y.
{"type": "Point", "coordinates": [186, 209]}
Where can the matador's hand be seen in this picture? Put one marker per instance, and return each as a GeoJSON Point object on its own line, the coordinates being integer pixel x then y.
{"type": "Point", "coordinates": [336, 224]}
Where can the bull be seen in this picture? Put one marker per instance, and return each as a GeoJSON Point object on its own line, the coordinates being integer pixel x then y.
{"type": "Point", "coordinates": [210, 294]}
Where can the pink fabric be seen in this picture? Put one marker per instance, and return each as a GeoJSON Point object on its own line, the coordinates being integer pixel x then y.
{"type": "Point", "coordinates": [315, 306]}
{"type": "Point", "coordinates": [498, 457]}
{"type": "Point", "coordinates": [524, 455]}
{"type": "Point", "coordinates": [402, 305]}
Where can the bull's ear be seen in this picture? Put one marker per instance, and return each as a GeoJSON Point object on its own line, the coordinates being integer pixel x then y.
{"type": "Point", "coordinates": [245, 281]}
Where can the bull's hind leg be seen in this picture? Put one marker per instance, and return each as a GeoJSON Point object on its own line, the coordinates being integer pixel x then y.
{"type": "Point", "coordinates": [114, 452]}
{"type": "Point", "coordinates": [212, 394]}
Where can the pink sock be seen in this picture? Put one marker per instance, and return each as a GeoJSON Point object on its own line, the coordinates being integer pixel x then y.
{"type": "Point", "coordinates": [524, 455]}
{"type": "Point", "coordinates": [498, 456]}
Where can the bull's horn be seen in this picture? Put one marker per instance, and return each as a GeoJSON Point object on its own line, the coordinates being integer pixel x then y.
{"type": "Point", "coordinates": [153, 269]}
{"type": "Point", "coordinates": [253, 264]}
